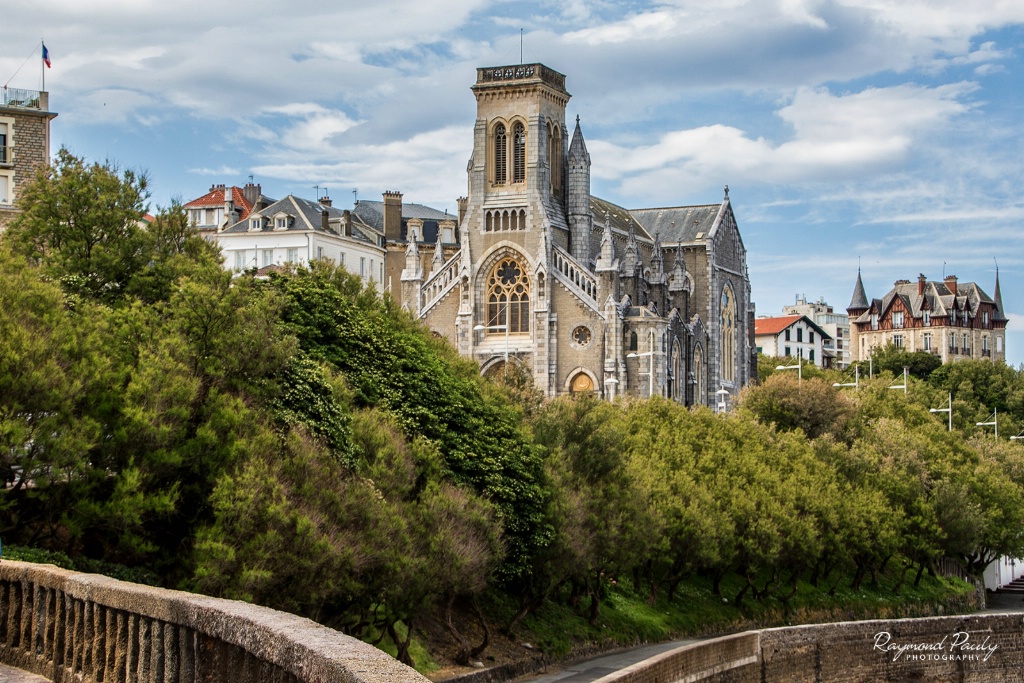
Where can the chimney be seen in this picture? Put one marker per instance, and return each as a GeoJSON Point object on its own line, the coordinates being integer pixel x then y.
{"type": "Point", "coordinates": [921, 279]}
{"type": "Point", "coordinates": [951, 283]}
{"type": "Point", "coordinates": [230, 214]}
{"type": "Point", "coordinates": [325, 218]}
{"type": "Point", "coordinates": [346, 223]}
{"type": "Point", "coordinates": [463, 203]}
{"type": "Point", "coordinates": [252, 193]}
{"type": "Point", "coordinates": [325, 200]}
{"type": "Point", "coordinates": [393, 216]}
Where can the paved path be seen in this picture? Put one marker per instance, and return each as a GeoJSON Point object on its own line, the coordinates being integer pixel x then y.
{"type": "Point", "coordinates": [602, 665]}
{"type": "Point", "coordinates": [11, 675]}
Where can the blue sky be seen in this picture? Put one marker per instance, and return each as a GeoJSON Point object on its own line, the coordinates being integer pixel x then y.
{"type": "Point", "coordinates": [885, 133]}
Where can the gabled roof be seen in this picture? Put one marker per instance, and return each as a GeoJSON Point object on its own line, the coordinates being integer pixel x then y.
{"type": "Point", "coordinates": [679, 223]}
{"type": "Point", "coordinates": [215, 199]}
{"type": "Point", "coordinates": [305, 214]}
{"type": "Point", "coordinates": [938, 298]}
{"type": "Point", "coordinates": [621, 219]}
{"type": "Point", "coordinates": [776, 325]}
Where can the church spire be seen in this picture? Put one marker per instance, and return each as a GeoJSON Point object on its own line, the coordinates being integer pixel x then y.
{"type": "Point", "coordinates": [677, 282]}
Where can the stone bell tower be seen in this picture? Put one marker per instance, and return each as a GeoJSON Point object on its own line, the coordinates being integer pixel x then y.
{"type": "Point", "coordinates": [515, 213]}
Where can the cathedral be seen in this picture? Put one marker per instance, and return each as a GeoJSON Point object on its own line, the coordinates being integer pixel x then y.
{"type": "Point", "coordinates": [587, 296]}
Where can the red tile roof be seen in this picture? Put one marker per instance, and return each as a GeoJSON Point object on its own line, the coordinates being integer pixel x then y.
{"type": "Point", "coordinates": [774, 325]}
{"type": "Point", "coordinates": [215, 197]}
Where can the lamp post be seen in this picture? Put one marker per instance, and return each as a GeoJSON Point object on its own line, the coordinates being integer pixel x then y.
{"type": "Point", "coordinates": [904, 385]}
{"type": "Point", "coordinates": [610, 385]}
{"type": "Point", "coordinates": [993, 423]}
{"type": "Point", "coordinates": [855, 382]}
{"type": "Point", "coordinates": [1018, 437]}
{"type": "Point", "coordinates": [723, 399]}
{"type": "Point", "coordinates": [799, 367]}
{"type": "Point", "coordinates": [650, 373]}
{"type": "Point", "coordinates": [946, 410]}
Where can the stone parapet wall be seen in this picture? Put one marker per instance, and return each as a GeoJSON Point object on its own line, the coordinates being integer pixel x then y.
{"type": "Point", "coordinates": [967, 649]}
{"type": "Point", "coordinates": [69, 626]}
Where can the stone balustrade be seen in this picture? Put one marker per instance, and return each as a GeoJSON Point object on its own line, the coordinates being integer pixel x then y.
{"type": "Point", "coordinates": [977, 648]}
{"type": "Point", "coordinates": [69, 626]}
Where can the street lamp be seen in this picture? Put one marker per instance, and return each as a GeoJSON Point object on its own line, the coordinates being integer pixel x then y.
{"type": "Point", "coordinates": [650, 373]}
{"type": "Point", "coordinates": [855, 382]}
{"type": "Point", "coordinates": [993, 423]}
{"type": "Point", "coordinates": [904, 385]}
{"type": "Point", "coordinates": [723, 397]}
{"type": "Point", "coordinates": [1018, 437]}
{"type": "Point", "coordinates": [610, 385]}
{"type": "Point", "coordinates": [946, 410]}
{"type": "Point", "coordinates": [799, 367]}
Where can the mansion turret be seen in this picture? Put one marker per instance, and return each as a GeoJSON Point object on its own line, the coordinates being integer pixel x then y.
{"type": "Point", "coordinates": [587, 295]}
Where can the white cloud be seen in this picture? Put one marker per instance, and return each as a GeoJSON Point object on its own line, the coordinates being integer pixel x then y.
{"type": "Point", "coordinates": [221, 172]}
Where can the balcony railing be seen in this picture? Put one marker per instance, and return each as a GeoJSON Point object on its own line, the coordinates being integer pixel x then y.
{"type": "Point", "coordinates": [986, 353]}
{"type": "Point", "coordinates": [17, 97]}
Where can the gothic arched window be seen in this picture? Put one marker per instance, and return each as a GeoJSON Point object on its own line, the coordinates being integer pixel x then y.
{"type": "Point", "coordinates": [500, 154]}
{"type": "Point", "coordinates": [728, 332]}
{"type": "Point", "coordinates": [699, 392]}
{"type": "Point", "coordinates": [508, 298]}
{"type": "Point", "coordinates": [518, 153]}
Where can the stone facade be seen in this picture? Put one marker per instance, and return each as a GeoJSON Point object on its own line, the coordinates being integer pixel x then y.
{"type": "Point", "coordinates": [950, 319]}
{"type": "Point", "coordinates": [589, 297]}
{"type": "Point", "coordinates": [24, 143]}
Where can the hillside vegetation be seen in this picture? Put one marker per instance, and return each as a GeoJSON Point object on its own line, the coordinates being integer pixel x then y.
{"type": "Point", "coordinates": [302, 442]}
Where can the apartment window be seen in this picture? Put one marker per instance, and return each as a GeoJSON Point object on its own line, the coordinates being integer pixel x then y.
{"type": "Point", "coordinates": [240, 260]}
{"type": "Point", "coordinates": [926, 319]}
{"type": "Point", "coordinates": [787, 351]}
{"type": "Point", "coordinates": [293, 255]}
{"type": "Point", "coordinates": [5, 156]}
{"type": "Point", "coordinates": [810, 355]}
{"type": "Point", "coordinates": [800, 334]}
{"type": "Point", "coordinates": [268, 257]}
{"type": "Point", "coordinates": [984, 343]}
{"type": "Point", "coordinates": [927, 341]}
{"type": "Point", "coordinates": [362, 266]}
{"type": "Point", "coordinates": [952, 342]}
{"type": "Point", "coordinates": [320, 253]}
{"type": "Point", "coordinates": [999, 344]}
{"type": "Point", "coordinates": [787, 335]}
{"type": "Point", "coordinates": [810, 337]}
{"type": "Point", "coordinates": [897, 341]}
{"type": "Point", "coordinates": [967, 342]}
{"type": "Point", "coordinates": [897, 319]}
{"type": "Point", "coordinates": [5, 189]}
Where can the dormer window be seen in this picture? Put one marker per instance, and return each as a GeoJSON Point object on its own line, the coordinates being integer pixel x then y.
{"type": "Point", "coordinates": [255, 223]}
{"type": "Point", "coordinates": [281, 223]}
{"type": "Point", "coordinates": [952, 317]}
{"type": "Point", "coordinates": [984, 319]}
{"type": "Point", "coordinates": [897, 319]}
{"type": "Point", "coordinates": [926, 319]}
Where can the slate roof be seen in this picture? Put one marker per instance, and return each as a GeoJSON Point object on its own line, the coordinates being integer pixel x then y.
{"type": "Point", "coordinates": [620, 218]}
{"type": "Point", "coordinates": [679, 223]}
{"type": "Point", "coordinates": [938, 299]}
{"type": "Point", "coordinates": [372, 214]}
{"type": "Point", "coordinates": [306, 214]}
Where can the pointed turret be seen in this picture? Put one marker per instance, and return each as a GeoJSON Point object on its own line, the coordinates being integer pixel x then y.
{"type": "Point", "coordinates": [577, 199]}
{"type": "Point", "coordinates": [657, 262]}
{"type": "Point", "coordinates": [631, 260]}
{"type": "Point", "coordinates": [677, 281]}
{"type": "Point", "coordinates": [438, 260]}
{"type": "Point", "coordinates": [859, 302]}
{"type": "Point", "coordinates": [998, 299]}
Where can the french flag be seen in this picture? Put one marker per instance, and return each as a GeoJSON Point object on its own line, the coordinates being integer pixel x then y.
{"type": "Point", "coordinates": [46, 57]}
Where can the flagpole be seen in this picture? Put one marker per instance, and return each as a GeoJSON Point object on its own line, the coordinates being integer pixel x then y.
{"type": "Point", "coordinates": [42, 63]}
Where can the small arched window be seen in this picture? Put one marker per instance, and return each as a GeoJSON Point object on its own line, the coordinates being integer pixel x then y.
{"type": "Point", "coordinates": [500, 154]}
{"type": "Point", "coordinates": [518, 153]}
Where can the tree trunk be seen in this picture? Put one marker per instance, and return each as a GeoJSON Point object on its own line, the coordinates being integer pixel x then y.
{"type": "Point", "coordinates": [402, 645]}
